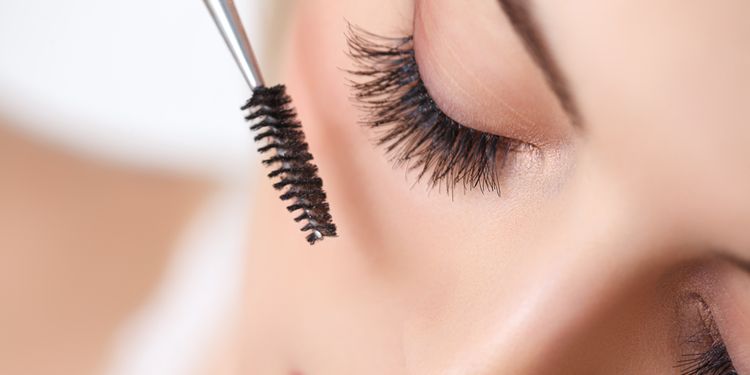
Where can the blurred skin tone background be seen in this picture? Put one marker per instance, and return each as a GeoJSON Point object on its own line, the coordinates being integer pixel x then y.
{"type": "Point", "coordinates": [607, 248]}
{"type": "Point", "coordinates": [125, 166]}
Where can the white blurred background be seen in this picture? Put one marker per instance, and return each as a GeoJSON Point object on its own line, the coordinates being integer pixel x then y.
{"type": "Point", "coordinates": [151, 85]}
{"type": "Point", "coordinates": [139, 81]}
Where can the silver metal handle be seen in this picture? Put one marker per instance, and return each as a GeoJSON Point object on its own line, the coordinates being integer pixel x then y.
{"type": "Point", "coordinates": [228, 21]}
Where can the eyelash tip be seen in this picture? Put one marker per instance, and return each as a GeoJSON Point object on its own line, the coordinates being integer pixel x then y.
{"type": "Point", "coordinates": [414, 131]}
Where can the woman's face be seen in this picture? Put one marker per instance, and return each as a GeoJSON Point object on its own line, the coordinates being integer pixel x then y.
{"type": "Point", "coordinates": [582, 206]}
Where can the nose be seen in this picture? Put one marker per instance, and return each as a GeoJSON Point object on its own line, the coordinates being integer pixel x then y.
{"type": "Point", "coordinates": [590, 296]}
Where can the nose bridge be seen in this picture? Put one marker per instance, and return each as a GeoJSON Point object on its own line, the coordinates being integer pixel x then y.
{"type": "Point", "coordinates": [552, 328]}
{"type": "Point", "coordinates": [620, 232]}
{"type": "Point", "coordinates": [576, 323]}
{"type": "Point", "coordinates": [605, 245]}
{"type": "Point", "coordinates": [680, 152]}
{"type": "Point", "coordinates": [683, 181]}
{"type": "Point", "coordinates": [664, 174]}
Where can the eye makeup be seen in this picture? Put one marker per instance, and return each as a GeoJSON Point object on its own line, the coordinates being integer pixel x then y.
{"type": "Point", "coordinates": [714, 361]}
{"type": "Point", "coordinates": [478, 71]}
{"type": "Point", "coordinates": [413, 129]}
{"type": "Point", "coordinates": [704, 350]}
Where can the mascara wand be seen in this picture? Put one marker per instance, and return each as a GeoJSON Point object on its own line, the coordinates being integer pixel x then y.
{"type": "Point", "coordinates": [275, 121]}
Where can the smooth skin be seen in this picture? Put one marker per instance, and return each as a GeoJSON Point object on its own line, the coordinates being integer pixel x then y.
{"type": "Point", "coordinates": [583, 263]}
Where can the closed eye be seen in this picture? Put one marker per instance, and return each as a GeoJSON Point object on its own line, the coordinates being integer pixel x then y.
{"type": "Point", "coordinates": [415, 132]}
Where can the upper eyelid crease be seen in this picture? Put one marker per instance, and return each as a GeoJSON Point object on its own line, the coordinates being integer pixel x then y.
{"type": "Point", "coordinates": [708, 354]}
{"type": "Point", "coordinates": [526, 27]}
{"type": "Point", "coordinates": [743, 264]}
{"type": "Point", "coordinates": [477, 80]}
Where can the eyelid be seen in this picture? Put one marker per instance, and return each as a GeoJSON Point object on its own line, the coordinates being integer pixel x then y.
{"type": "Point", "coordinates": [411, 126]}
{"type": "Point", "coordinates": [702, 347]}
{"type": "Point", "coordinates": [478, 71]}
{"type": "Point", "coordinates": [731, 307]}
{"type": "Point", "coordinates": [526, 27]}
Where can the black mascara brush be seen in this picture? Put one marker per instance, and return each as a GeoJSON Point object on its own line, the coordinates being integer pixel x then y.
{"type": "Point", "coordinates": [280, 134]}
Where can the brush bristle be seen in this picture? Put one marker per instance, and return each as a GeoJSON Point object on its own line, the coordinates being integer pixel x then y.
{"type": "Point", "coordinates": [275, 122]}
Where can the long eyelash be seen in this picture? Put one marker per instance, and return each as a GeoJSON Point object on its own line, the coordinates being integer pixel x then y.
{"type": "Point", "coordinates": [411, 127]}
{"type": "Point", "coordinates": [715, 360]}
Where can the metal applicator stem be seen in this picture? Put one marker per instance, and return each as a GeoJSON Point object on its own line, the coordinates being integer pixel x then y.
{"type": "Point", "coordinates": [272, 116]}
{"type": "Point", "coordinates": [229, 23]}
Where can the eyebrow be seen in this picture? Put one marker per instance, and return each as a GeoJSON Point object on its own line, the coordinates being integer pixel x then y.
{"type": "Point", "coordinates": [520, 17]}
{"type": "Point", "coordinates": [518, 12]}
{"type": "Point", "coordinates": [737, 261]}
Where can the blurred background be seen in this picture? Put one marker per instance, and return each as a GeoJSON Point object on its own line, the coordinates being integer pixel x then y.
{"type": "Point", "coordinates": [125, 174]}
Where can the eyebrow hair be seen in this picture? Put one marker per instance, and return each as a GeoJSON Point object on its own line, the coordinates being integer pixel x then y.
{"type": "Point", "coordinates": [526, 27]}
{"type": "Point", "coordinates": [737, 261]}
